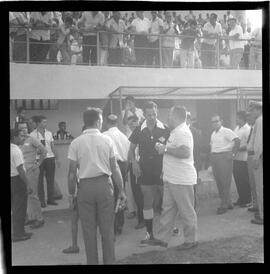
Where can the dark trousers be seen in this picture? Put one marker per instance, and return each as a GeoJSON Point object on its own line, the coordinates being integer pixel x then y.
{"type": "Point", "coordinates": [141, 51]}
{"type": "Point", "coordinates": [208, 55]}
{"type": "Point", "coordinates": [38, 50]}
{"type": "Point", "coordinates": [89, 44]}
{"type": "Point", "coordinates": [18, 205]}
{"type": "Point", "coordinates": [137, 194]}
{"type": "Point", "coordinates": [154, 54]}
{"type": "Point", "coordinates": [47, 168]}
{"type": "Point", "coordinates": [19, 49]}
{"type": "Point", "coordinates": [240, 174]}
{"type": "Point", "coordinates": [119, 219]}
{"type": "Point", "coordinates": [96, 208]}
{"type": "Point", "coordinates": [115, 56]}
{"type": "Point", "coordinates": [53, 51]}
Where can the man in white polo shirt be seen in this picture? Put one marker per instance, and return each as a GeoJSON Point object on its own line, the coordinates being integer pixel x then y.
{"type": "Point", "coordinates": [92, 154]}
{"type": "Point", "coordinates": [224, 144]}
{"type": "Point", "coordinates": [240, 167]}
{"type": "Point", "coordinates": [140, 26]}
{"type": "Point", "coordinates": [179, 176]}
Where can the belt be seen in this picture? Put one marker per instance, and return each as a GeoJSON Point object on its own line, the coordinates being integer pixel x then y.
{"type": "Point", "coordinates": [250, 153]}
{"type": "Point", "coordinates": [93, 178]}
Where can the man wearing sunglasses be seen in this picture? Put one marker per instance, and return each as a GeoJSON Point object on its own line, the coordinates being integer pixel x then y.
{"type": "Point", "coordinates": [224, 145]}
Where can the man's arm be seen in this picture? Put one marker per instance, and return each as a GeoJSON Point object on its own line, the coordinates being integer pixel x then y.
{"type": "Point", "coordinates": [236, 145]}
{"type": "Point", "coordinates": [181, 152]}
{"type": "Point", "coordinates": [22, 174]}
{"type": "Point", "coordinates": [135, 165]}
{"type": "Point", "coordinates": [72, 177]}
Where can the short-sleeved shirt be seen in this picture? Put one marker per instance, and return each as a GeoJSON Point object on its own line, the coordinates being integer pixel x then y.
{"type": "Point", "coordinates": [92, 151]}
{"type": "Point", "coordinates": [46, 141]}
{"type": "Point", "coordinates": [150, 160]}
{"type": "Point", "coordinates": [155, 29]}
{"type": "Point", "coordinates": [16, 159]}
{"type": "Point", "coordinates": [115, 38]}
{"type": "Point", "coordinates": [222, 140]}
{"type": "Point", "coordinates": [176, 170]}
{"type": "Point", "coordinates": [188, 42]}
{"type": "Point", "coordinates": [30, 149]}
{"type": "Point", "coordinates": [211, 30]}
{"type": "Point", "coordinates": [242, 133]}
{"type": "Point", "coordinates": [91, 21]}
{"type": "Point", "coordinates": [169, 41]}
{"type": "Point", "coordinates": [141, 25]}
{"type": "Point", "coordinates": [236, 44]}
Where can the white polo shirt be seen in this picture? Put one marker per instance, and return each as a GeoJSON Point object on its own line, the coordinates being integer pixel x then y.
{"type": "Point", "coordinates": [242, 133]}
{"type": "Point", "coordinates": [210, 29]}
{"type": "Point", "coordinates": [222, 141]}
{"type": "Point", "coordinates": [16, 159]}
{"type": "Point", "coordinates": [121, 143]}
{"type": "Point", "coordinates": [48, 137]}
{"type": "Point", "coordinates": [141, 25]}
{"type": "Point", "coordinates": [92, 150]}
{"type": "Point", "coordinates": [175, 170]}
{"type": "Point", "coordinates": [236, 44]}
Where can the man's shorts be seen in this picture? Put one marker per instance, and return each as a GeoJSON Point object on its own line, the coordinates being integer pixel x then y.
{"type": "Point", "coordinates": [149, 179]}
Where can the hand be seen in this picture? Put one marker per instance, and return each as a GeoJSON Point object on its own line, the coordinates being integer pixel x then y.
{"type": "Point", "coordinates": [136, 169]}
{"type": "Point", "coordinates": [122, 196]}
{"type": "Point", "coordinates": [256, 163]}
{"type": "Point", "coordinates": [160, 148]}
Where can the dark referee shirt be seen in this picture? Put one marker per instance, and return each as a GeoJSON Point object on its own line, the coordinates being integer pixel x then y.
{"type": "Point", "coordinates": [150, 160]}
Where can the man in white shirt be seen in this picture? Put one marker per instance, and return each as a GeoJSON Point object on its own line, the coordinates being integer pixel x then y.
{"type": "Point", "coordinates": [121, 144]}
{"type": "Point", "coordinates": [179, 176]}
{"type": "Point", "coordinates": [257, 145]}
{"type": "Point", "coordinates": [19, 187]}
{"type": "Point", "coordinates": [255, 55]}
{"type": "Point", "coordinates": [140, 26]}
{"type": "Point", "coordinates": [224, 144]}
{"type": "Point", "coordinates": [211, 29]}
{"type": "Point", "coordinates": [92, 160]}
{"type": "Point", "coordinates": [240, 168]}
{"type": "Point", "coordinates": [47, 168]}
{"type": "Point", "coordinates": [236, 47]}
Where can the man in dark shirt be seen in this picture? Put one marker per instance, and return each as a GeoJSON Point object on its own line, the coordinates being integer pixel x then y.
{"type": "Point", "coordinates": [149, 168]}
{"type": "Point", "coordinates": [62, 134]}
{"type": "Point", "coordinates": [187, 50]}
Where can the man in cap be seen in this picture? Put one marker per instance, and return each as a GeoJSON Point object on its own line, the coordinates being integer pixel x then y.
{"type": "Point", "coordinates": [121, 145]}
{"type": "Point", "coordinates": [255, 109]}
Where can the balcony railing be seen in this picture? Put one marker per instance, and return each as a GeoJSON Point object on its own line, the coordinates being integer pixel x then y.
{"type": "Point", "coordinates": [101, 48]}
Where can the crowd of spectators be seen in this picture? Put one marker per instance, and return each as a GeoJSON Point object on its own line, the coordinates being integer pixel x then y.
{"type": "Point", "coordinates": [133, 39]}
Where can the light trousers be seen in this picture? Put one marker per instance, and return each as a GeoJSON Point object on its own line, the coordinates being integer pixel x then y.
{"type": "Point", "coordinates": [178, 200]}
{"type": "Point", "coordinates": [187, 58]}
{"type": "Point", "coordinates": [258, 175]}
{"type": "Point", "coordinates": [235, 57]}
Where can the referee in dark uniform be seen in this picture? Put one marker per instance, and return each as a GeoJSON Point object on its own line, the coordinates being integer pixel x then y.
{"type": "Point", "coordinates": [149, 168]}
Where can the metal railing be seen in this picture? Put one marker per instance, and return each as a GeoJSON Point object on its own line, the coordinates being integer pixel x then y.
{"type": "Point", "coordinates": [97, 48]}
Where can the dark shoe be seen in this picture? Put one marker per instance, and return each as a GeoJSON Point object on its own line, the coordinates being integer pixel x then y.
{"type": "Point", "coordinates": [244, 205]}
{"type": "Point", "coordinates": [20, 238]}
{"type": "Point", "coordinates": [43, 204]}
{"type": "Point", "coordinates": [150, 240]}
{"type": "Point", "coordinates": [140, 225]}
{"type": "Point", "coordinates": [237, 203]}
{"type": "Point", "coordinates": [59, 197]}
{"type": "Point", "coordinates": [230, 207]}
{"type": "Point", "coordinates": [37, 224]}
{"type": "Point", "coordinates": [30, 234]}
{"type": "Point", "coordinates": [253, 209]}
{"type": "Point", "coordinates": [71, 250]}
{"type": "Point", "coordinates": [185, 246]}
{"type": "Point", "coordinates": [257, 221]}
{"type": "Point", "coordinates": [29, 222]}
{"type": "Point", "coordinates": [221, 210]}
{"type": "Point", "coordinates": [131, 215]}
{"type": "Point", "coordinates": [51, 203]}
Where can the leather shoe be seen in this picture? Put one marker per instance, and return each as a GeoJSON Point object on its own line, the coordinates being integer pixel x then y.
{"type": "Point", "coordinates": [29, 222]}
{"type": "Point", "coordinates": [257, 221]}
{"type": "Point", "coordinates": [30, 234]}
{"type": "Point", "coordinates": [71, 250]}
{"type": "Point", "coordinates": [59, 197]}
{"type": "Point", "coordinates": [20, 238]}
{"type": "Point", "coordinates": [140, 225]}
{"type": "Point", "coordinates": [43, 204]}
{"type": "Point", "coordinates": [37, 224]}
{"type": "Point", "coordinates": [51, 203]}
{"type": "Point", "coordinates": [185, 246]}
{"type": "Point", "coordinates": [230, 207]}
{"type": "Point", "coordinates": [253, 209]}
{"type": "Point", "coordinates": [221, 210]}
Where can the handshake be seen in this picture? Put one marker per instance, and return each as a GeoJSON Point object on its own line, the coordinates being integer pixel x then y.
{"type": "Point", "coordinates": [160, 148]}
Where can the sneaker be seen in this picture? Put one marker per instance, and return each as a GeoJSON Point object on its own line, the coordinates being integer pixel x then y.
{"type": "Point", "coordinates": [185, 246]}
{"type": "Point", "coordinates": [140, 225]}
{"type": "Point", "coordinates": [37, 224]}
{"type": "Point", "coordinates": [71, 249]}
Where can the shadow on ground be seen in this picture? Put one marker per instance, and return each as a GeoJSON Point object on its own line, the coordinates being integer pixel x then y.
{"type": "Point", "coordinates": [240, 249]}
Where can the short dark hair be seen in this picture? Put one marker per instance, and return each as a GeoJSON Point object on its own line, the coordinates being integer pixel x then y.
{"type": "Point", "coordinates": [20, 110]}
{"type": "Point", "coordinates": [180, 112]}
{"type": "Point", "coordinates": [214, 15]}
{"type": "Point", "coordinates": [34, 118]}
{"type": "Point", "coordinates": [149, 105]}
{"type": "Point", "coordinates": [242, 115]}
{"type": "Point", "coordinates": [130, 98]}
{"type": "Point", "coordinates": [14, 132]}
{"type": "Point", "coordinates": [133, 118]}
{"type": "Point", "coordinates": [61, 123]}
{"type": "Point", "coordinates": [91, 116]}
{"type": "Point", "coordinates": [39, 118]}
{"type": "Point", "coordinates": [68, 19]}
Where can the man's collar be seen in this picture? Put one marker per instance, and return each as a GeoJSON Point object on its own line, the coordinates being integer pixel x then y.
{"type": "Point", "coordinates": [158, 124]}
{"type": "Point", "coordinates": [91, 130]}
{"type": "Point", "coordinates": [216, 131]}
{"type": "Point", "coordinates": [180, 126]}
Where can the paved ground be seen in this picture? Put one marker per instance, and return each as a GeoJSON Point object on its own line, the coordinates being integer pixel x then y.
{"type": "Point", "coordinates": [224, 238]}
